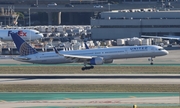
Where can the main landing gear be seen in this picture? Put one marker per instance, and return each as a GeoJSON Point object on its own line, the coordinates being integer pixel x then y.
{"type": "Point", "coordinates": [87, 67]}
{"type": "Point", "coordinates": [151, 59]}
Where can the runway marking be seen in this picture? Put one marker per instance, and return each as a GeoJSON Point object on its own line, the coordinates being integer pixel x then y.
{"type": "Point", "coordinates": [104, 101]}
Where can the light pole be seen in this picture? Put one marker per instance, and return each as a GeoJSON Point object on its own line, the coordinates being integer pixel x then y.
{"type": "Point", "coordinates": [36, 2]}
{"type": "Point", "coordinates": [30, 24]}
{"type": "Point", "coordinates": [29, 17]}
{"type": "Point", "coordinates": [109, 6]}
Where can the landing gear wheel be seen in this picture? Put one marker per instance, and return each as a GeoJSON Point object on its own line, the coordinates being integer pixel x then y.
{"type": "Point", "coordinates": [83, 68]}
{"type": "Point", "coordinates": [151, 63]}
{"type": "Point", "coordinates": [92, 67]}
{"type": "Point", "coordinates": [87, 67]}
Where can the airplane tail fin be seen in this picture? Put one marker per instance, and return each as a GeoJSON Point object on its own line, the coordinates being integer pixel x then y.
{"type": "Point", "coordinates": [23, 47]}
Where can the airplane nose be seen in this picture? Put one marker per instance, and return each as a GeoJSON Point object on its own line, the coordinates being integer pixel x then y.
{"type": "Point", "coordinates": [166, 52]}
{"type": "Point", "coordinates": [41, 35]}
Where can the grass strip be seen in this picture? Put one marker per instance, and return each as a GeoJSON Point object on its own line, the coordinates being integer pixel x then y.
{"type": "Point", "coordinates": [96, 70]}
{"type": "Point", "coordinates": [90, 88]}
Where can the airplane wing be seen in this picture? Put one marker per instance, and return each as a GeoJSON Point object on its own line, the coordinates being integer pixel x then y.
{"type": "Point", "coordinates": [158, 37]}
{"type": "Point", "coordinates": [79, 57]}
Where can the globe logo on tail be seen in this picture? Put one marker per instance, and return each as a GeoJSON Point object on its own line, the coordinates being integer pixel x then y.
{"type": "Point", "coordinates": [26, 49]}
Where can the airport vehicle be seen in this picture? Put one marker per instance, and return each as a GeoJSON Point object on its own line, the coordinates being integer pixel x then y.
{"type": "Point", "coordinates": [98, 6]}
{"type": "Point", "coordinates": [34, 5]}
{"type": "Point", "coordinates": [69, 5]}
{"type": "Point", "coordinates": [26, 34]}
{"type": "Point", "coordinates": [90, 57]}
{"type": "Point", "coordinates": [52, 5]}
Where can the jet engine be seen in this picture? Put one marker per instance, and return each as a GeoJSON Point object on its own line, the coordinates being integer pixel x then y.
{"type": "Point", "coordinates": [108, 61]}
{"type": "Point", "coordinates": [96, 61]}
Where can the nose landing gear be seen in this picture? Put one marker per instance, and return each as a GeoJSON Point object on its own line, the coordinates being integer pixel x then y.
{"type": "Point", "coordinates": [151, 59]}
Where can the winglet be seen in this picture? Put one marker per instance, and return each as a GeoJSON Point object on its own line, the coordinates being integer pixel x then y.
{"type": "Point", "coordinates": [86, 45]}
{"type": "Point", "coordinates": [56, 51]}
{"type": "Point", "coordinates": [9, 33]}
{"type": "Point", "coordinates": [23, 47]}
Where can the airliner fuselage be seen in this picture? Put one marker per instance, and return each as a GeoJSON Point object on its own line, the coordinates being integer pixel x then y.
{"type": "Point", "coordinates": [108, 54]}
{"type": "Point", "coordinates": [26, 34]}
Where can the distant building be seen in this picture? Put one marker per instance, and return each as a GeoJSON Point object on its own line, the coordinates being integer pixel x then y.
{"type": "Point", "coordinates": [148, 1]}
{"type": "Point", "coordinates": [8, 17]}
{"type": "Point", "coordinates": [88, 1]}
{"type": "Point", "coordinates": [134, 23]}
{"type": "Point", "coordinates": [40, 2]}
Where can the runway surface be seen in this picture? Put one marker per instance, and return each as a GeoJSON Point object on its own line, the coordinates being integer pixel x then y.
{"type": "Point", "coordinates": [88, 76]}
{"type": "Point", "coordinates": [90, 79]}
{"type": "Point", "coordinates": [172, 59]}
{"type": "Point", "coordinates": [11, 100]}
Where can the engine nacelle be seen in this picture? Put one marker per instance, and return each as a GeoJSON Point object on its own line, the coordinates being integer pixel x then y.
{"type": "Point", "coordinates": [108, 61]}
{"type": "Point", "coordinates": [96, 61]}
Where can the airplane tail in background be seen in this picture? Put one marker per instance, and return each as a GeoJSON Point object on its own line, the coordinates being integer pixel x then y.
{"type": "Point", "coordinates": [23, 47]}
{"type": "Point", "coordinates": [86, 45]}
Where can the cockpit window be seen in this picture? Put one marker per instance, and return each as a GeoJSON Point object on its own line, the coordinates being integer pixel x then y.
{"type": "Point", "coordinates": [160, 48]}
{"type": "Point", "coordinates": [37, 33]}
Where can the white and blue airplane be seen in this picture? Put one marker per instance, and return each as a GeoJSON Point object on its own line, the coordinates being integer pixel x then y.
{"type": "Point", "coordinates": [26, 34]}
{"type": "Point", "coordinates": [88, 56]}
{"type": "Point", "coordinates": [166, 37]}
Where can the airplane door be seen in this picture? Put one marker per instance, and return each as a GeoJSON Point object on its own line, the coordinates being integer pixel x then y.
{"type": "Point", "coordinates": [37, 57]}
{"type": "Point", "coordinates": [125, 53]}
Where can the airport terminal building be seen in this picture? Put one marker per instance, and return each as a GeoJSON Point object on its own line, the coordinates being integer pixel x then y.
{"type": "Point", "coordinates": [134, 23]}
